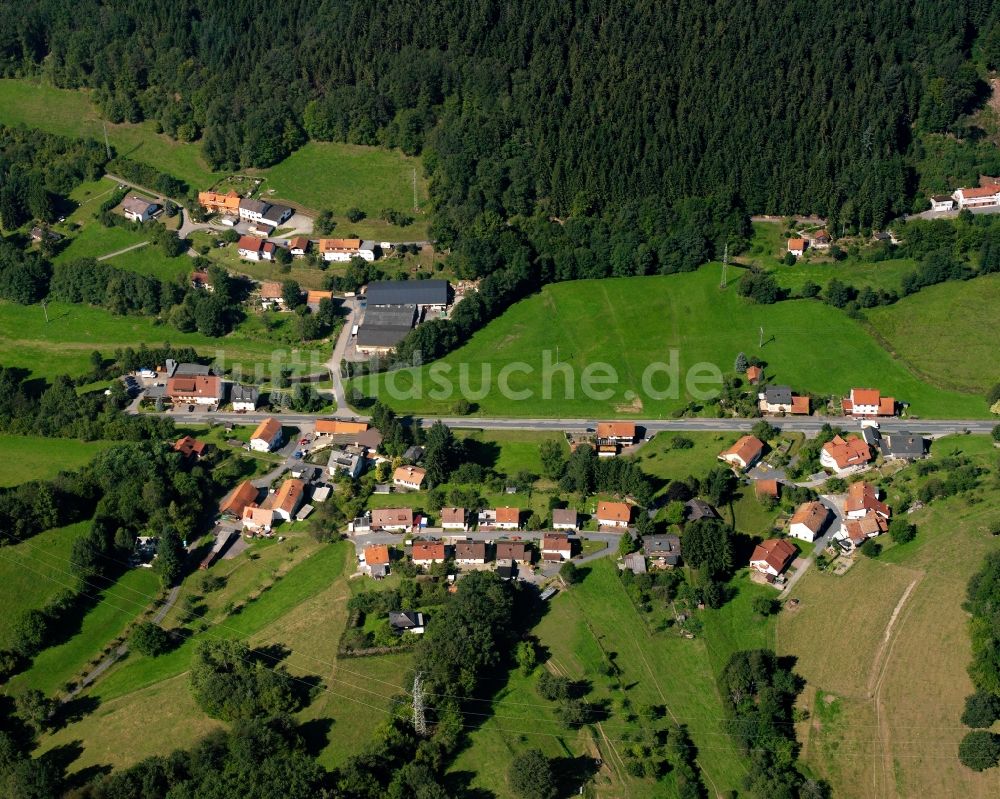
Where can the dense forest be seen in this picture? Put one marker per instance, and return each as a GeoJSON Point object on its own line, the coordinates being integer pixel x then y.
{"type": "Point", "coordinates": [544, 106]}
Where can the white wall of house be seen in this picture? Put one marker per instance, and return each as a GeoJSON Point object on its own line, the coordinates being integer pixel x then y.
{"type": "Point", "coordinates": [244, 406]}
{"type": "Point", "coordinates": [801, 532]}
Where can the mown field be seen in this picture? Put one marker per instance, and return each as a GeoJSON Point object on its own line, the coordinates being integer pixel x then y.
{"type": "Point", "coordinates": [64, 343]}
{"type": "Point", "coordinates": [29, 582]}
{"type": "Point", "coordinates": [884, 650]}
{"type": "Point", "coordinates": [628, 324]}
{"type": "Point", "coordinates": [339, 176]}
{"type": "Point", "coordinates": [949, 332]}
{"type": "Point", "coordinates": [291, 593]}
{"type": "Point", "coordinates": [38, 458]}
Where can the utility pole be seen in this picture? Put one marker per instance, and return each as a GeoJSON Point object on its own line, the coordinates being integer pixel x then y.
{"type": "Point", "coordinates": [45, 311]}
{"type": "Point", "coordinates": [761, 342]}
{"type": "Point", "coordinates": [419, 720]}
{"type": "Point", "coordinates": [725, 266]}
{"type": "Point", "coordinates": [107, 147]}
{"type": "Point", "coordinates": [416, 205]}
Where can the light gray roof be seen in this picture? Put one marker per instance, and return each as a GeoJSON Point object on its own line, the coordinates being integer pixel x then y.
{"type": "Point", "coordinates": [254, 206]}
{"type": "Point", "coordinates": [192, 369]}
{"type": "Point", "coordinates": [137, 205]}
{"type": "Point", "coordinates": [407, 292]}
{"type": "Point", "coordinates": [661, 543]}
{"type": "Point", "coordinates": [367, 244]}
{"type": "Point", "coordinates": [778, 395]}
{"type": "Point", "coordinates": [276, 212]}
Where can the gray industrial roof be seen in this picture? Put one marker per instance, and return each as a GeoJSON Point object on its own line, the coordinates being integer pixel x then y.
{"type": "Point", "coordinates": [407, 292]}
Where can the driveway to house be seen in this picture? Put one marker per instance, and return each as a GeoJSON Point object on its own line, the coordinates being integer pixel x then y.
{"type": "Point", "coordinates": [835, 502]}
{"type": "Point", "coordinates": [122, 252]}
{"type": "Point", "coordinates": [339, 349]}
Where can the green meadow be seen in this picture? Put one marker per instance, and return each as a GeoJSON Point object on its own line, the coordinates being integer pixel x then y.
{"type": "Point", "coordinates": [63, 344]}
{"type": "Point", "coordinates": [950, 332]}
{"type": "Point", "coordinates": [37, 458]}
{"type": "Point", "coordinates": [683, 322]}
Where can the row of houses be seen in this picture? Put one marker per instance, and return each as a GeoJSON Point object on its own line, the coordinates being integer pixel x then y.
{"type": "Point", "coordinates": [609, 515]}
{"type": "Point", "coordinates": [978, 197]}
{"type": "Point", "coordinates": [235, 208]}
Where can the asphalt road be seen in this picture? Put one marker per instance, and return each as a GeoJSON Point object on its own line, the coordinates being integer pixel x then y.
{"type": "Point", "coordinates": [810, 425]}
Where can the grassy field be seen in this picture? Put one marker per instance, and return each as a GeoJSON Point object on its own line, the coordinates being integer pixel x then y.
{"type": "Point", "coordinates": [883, 275]}
{"type": "Point", "coordinates": [319, 175]}
{"type": "Point", "coordinates": [949, 332]}
{"type": "Point", "coordinates": [64, 343]}
{"type": "Point", "coordinates": [884, 650]}
{"type": "Point", "coordinates": [122, 602]}
{"type": "Point", "coordinates": [38, 458]}
{"type": "Point", "coordinates": [341, 176]}
{"type": "Point", "coordinates": [629, 324]}
{"type": "Point", "coordinates": [150, 260]}
{"type": "Point", "coordinates": [508, 451]}
{"type": "Point", "coordinates": [70, 113]}
{"type": "Point", "coordinates": [27, 581]}
{"type": "Point", "coordinates": [582, 624]}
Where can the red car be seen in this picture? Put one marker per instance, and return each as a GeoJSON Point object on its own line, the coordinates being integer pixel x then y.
{"type": "Point", "coordinates": [303, 440]}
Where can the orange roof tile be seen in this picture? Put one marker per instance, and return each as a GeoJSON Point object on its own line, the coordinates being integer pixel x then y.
{"type": "Point", "coordinates": [800, 405]}
{"type": "Point", "coordinates": [427, 550]}
{"type": "Point", "coordinates": [267, 430]}
{"type": "Point", "coordinates": [376, 554]}
{"type": "Point", "coordinates": [289, 495]}
{"type": "Point", "coordinates": [334, 427]}
{"type": "Point", "coordinates": [613, 511]}
{"type": "Point", "coordinates": [409, 474]}
{"type": "Point", "coordinates": [812, 514]}
{"type": "Point", "coordinates": [508, 515]}
{"type": "Point", "coordinates": [208, 386]}
{"type": "Point", "coordinates": [747, 449]}
{"type": "Point", "coordinates": [244, 494]}
{"type": "Point", "coordinates": [616, 430]}
{"type": "Point", "coordinates": [850, 452]}
{"type": "Point", "coordinates": [776, 552]}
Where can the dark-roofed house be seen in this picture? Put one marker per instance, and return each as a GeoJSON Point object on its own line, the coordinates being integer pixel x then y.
{"type": "Point", "coordinates": [274, 215]}
{"type": "Point", "coordinates": [243, 397]}
{"type": "Point", "coordinates": [780, 399]}
{"type": "Point", "coordinates": [663, 551]}
{"type": "Point", "coordinates": [138, 209]}
{"type": "Point", "coordinates": [252, 210]}
{"type": "Point", "coordinates": [422, 293]}
{"type": "Point", "coordinates": [564, 518]}
{"type": "Point", "coordinates": [699, 509]}
{"type": "Point", "coordinates": [903, 446]}
{"type": "Point", "coordinates": [635, 562]}
{"type": "Point", "coordinates": [470, 553]}
{"type": "Point", "coordinates": [516, 551]}
{"type": "Point", "coordinates": [406, 621]}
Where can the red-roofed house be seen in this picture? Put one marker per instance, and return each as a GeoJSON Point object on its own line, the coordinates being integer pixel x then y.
{"type": "Point", "coordinates": [613, 514]}
{"type": "Point", "coordinates": [508, 518]}
{"type": "Point", "coordinates": [556, 546]}
{"type": "Point", "coordinates": [845, 455]}
{"type": "Point", "coordinates": [862, 499]}
{"type": "Point", "coordinates": [253, 248]}
{"type": "Point", "coordinates": [298, 246]}
{"type": "Point", "coordinates": [797, 246]}
{"type": "Point", "coordinates": [267, 436]}
{"type": "Point", "coordinates": [411, 477]}
{"type": "Point", "coordinates": [424, 553]}
{"type": "Point", "coordinates": [244, 494]}
{"type": "Point", "coordinates": [754, 374]}
{"type": "Point", "coordinates": [392, 519]}
{"type": "Point", "coordinates": [978, 197]}
{"type": "Point", "coordinates": [257, 521]}
{"type": "Point", "coordinates": [744, 453]}
{"type": "Point", "coordinates": [772, 557]}
{"type": "Point", "coordinates": [808, 521]}
{"type": "Point", "coordinates": [190, 448]}
{"type": "Point", "coordinates": [194, 389]}
{"type": "Point", "coordinates": [454, 519]}
{"type": "Point", "coordinates": [289, 498]}
{"type": "Point", "coordinates": [867, 403]}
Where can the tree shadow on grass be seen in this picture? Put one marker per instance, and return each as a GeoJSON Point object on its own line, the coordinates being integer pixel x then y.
{"type": "Point", "coordinates": [484, 453]}
{"type": "Point", "coordinates": [457, 783]}
{"type": "Point", "coordinates": [316, 735]}
{"type": "Point", "coordinates": [572, 773]}
{"type": "Point", "coordinates": [75, 710]}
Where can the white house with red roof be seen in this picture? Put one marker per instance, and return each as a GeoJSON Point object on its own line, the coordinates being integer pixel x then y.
{"type": "Point", "coordinates": [772, 557]}
{"type": "Point", "coordinates": [978, 197]}
{"type": "Point", "coordinates": [868, 403]}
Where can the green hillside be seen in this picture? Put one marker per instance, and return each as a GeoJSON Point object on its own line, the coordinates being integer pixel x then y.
{"type": "Point", "coordinates": [630, 323]}
{"type": "Point", "coordinates": [949, 332]}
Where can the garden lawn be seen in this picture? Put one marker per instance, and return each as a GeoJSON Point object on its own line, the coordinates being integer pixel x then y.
{"type": "Point", "coordinates": [150, 260]}
{"type": "Point", "coordinates": [508, 451]}
{"type": "Point", "coordinates": [886, 275]}
{"type": "Point", "coordinates": [949, 332]}
{"type": "Point", "coordinates": [38, 458]}
{"type": "Point", "coordinates": [33, 572]}
{"type": "Point", "coordinates": [627, 324]}
{"type": "Point", "coordinates": [662, 460]}
{"type": "Point", "coordinates": [64, 343]}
